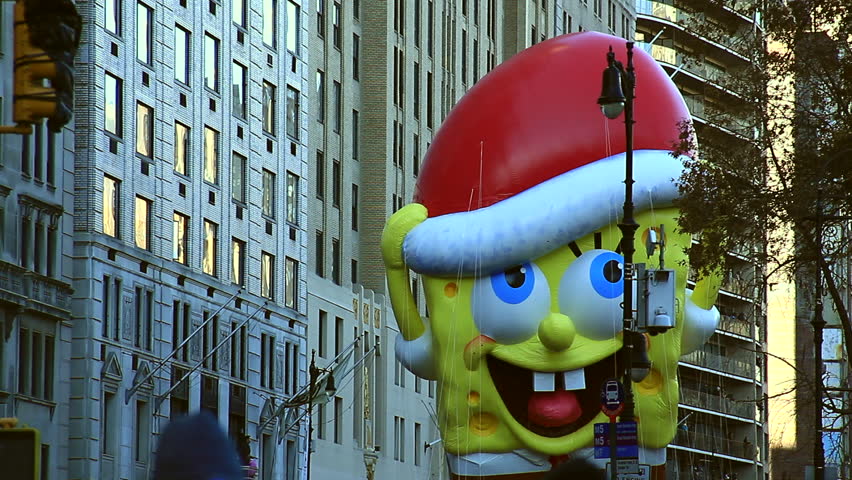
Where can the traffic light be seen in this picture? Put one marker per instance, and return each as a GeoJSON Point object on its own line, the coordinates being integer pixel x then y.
{"type": "Point", "coordinates": [20, 452]}
{"type": "Point", "coordinates": [47, 33]}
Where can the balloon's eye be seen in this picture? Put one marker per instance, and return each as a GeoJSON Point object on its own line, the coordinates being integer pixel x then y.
{"type": "Point", "coordinates": [515, 284]}
{"type": "Point", "coordinates": [508, 305]}
{"type": "Point", "coordinates": [590, 292]}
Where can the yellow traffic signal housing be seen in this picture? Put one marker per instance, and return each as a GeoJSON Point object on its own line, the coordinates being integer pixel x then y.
{"type": "Point", "coordinates": [33, 100]}
{"type": "Point", "coordinates": [43, 76]}
{"type": "Point", "coordinates": [20, 453]}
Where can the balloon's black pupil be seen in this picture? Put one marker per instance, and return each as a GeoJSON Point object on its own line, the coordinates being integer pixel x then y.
{"type": "Point", "coordinates": [515, 276]}
{"type": "Point", "coordinates": [612, 271]}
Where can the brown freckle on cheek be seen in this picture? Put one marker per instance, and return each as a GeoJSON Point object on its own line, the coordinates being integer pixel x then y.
{"type": "Point", "coordinates": [450, 289]}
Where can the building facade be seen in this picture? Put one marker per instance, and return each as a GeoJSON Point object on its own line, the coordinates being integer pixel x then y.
{"type": "Point", "coordinates": [36, 272]}
{"type": "Point", "coordinates": [723, 431]}
{"type": "Point", "coordinates": [189, 245]}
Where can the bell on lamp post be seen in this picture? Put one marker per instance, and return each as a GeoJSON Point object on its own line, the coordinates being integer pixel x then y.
{"type": "Point", "coordinates": [612, 96]}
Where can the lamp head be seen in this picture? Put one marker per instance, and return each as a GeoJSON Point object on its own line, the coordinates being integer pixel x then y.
{"type": "Point", "coordinates": [330, 388]}
{"type": "Point", "coordinates": [612, 96]}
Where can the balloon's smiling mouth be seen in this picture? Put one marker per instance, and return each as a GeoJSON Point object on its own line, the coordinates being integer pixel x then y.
{"type": "Point", "coordinates": [552, 404]}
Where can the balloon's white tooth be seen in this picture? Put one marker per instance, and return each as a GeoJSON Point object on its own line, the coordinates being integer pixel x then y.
{"type": "Point", "coordinates": [574, 379]}
{"type": "Point", "coordinates": [544, 381]}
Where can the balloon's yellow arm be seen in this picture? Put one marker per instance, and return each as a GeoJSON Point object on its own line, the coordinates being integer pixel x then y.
{"type": "Point", "coordinates": [402, 300]}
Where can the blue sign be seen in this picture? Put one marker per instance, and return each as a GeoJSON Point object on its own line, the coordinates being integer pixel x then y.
{"type": "Point", "coordinates": [626, 440]}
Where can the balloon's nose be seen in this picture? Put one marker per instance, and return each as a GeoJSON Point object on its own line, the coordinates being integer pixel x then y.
{"type": "Point", "coordinates": [556, 332]}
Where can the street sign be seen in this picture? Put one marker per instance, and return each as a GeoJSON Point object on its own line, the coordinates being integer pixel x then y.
{"type": "Point", "coordinates": [644, 473]}
{"type": "Point", "coordinates": [626, 440]}
{"type": "Point", "coordinates": [612, 398]}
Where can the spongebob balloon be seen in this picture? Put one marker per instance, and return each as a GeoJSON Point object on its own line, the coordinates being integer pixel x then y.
{"type": "Point", "coordinates": [514, 230]}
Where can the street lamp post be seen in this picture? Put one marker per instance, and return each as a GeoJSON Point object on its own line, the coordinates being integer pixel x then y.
{"type": "Point", "coordinates": [314, 373]}
{"type": "Point", "coordinates": [613, 101]}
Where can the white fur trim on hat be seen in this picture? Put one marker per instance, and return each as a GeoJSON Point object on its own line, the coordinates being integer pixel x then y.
{"type": "Point", "coordinates": [541, 218]}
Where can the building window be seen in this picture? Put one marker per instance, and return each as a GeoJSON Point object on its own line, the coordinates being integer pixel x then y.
{"type": "Point", "coordinates": [211, 62]}
{"type": "Point", "coordinates": [239, 350]}
{"type": "Point", "coordinates": [180, 238]}
{"type": "Point", "coordinates": [430, 110]}
{"type": "Point", "coordinates": [238, 90]}
{"type": "Point", "coordinates": [182, 55]}
{"type": "Point", "coordinates": [430, 28]}
{"type": "Point", "coordinates": [321, 18]}
{"type": "Point", "coordinates": [113, 16]}
{"type": "Point", "coordinates": [292, 198]}
{"type": "Point", "coordinates": [399, 439]}
{"type": "Point", "coordinates": [208, 263]}
{"type": "Point", "coordinates": [238, 13]}
{"type": "Point", "coordinates": [238, 262]}
{"type": "Point", "coordinates": [354, 207]}
{"type": "Point", "coordinates": [144, 306]}
{"type": "Point", "coordinates": [142, 223]}
{"type": "Point", "coordinates": [209, 340]}
{"type": "Point", "coordinates": [112, 104]}
{"type": "Point", "coordinates": [142, 424]}
{"type": "Point", "coordinates": [181, 148]}
{"type": "Point", "coordinates": [356, 131]}
{"type": "Point", "coordinates": [108, 424]}
{"type": "Point", "coordinates": [417, 22]}
{"type": "Point", "coordinates": [268, 200]}
{"type": "Point", "coordinates": [270, 8]}
{"type": "Point", "coordinates": [267, 361]}
{"type": "Point", "coordinates": [322, 328]}
{"type": "Point", "coordinates": [238, 178]}
{"type": "Point", "coordinates": [181, 324]}
{"type": "Point", "coordinates": [416, 90]}
{"type": "Point", "coordinates": [335, 261]}
{"type": "Point", "coordinates": [338, 106]}
{"type": "Point", "coordinates": [291, 293]}
{"type": "Point", "coordinates": [353, 273]}
{"type": "Point", "coordinates": [144, 130]}
{"type": "Point", "coordinates": [321, 96]}
{"type": "Point", "coordinates": [415, 166]}
{"type": "Point", "coordinates": [335, 25]}
{"type": "Point", "coordinates": [144, 33]}
{"type": "Point", "coordinates": [598, 8]}
{"type": "Point", "coordinates": [338, 420]}
{"type": "Point", "coordinates": [211, 155]}
{"type": "Point", "coordinates": [398, 78]}
{"type": "Point", "coordinates": [338, 336]}
{"type": "Point", "coordinates": [269, 108]}
{"type": "Point", "coordinates": [356, 56]}
{"type": "Point", "coordinates": [320, 186]}
{"type": "Point", "coordinates": [112, 188]}
{"type": "Point", "coordinates": [464, 57]}
{"type": "Point", "coordinates": [293, 27]}
{"type": "Point", "coordinates": [319, 247]}
{"type": "Point", "coordinates": [417, 438]}
{"type": "Point", "coordinates": [293, 112]}
{"type": "Point", "coordinates": [336, 181]}
{"type": "Point", "coordinates": [399, 16]}
{"type": "Point", "coordinates": [267, 275]}
{"type": "Point", "coordinates": [36, 356]}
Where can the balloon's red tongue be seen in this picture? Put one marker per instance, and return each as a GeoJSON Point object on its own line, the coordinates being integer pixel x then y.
{"type": "Point", "coordinates": [553, 409]}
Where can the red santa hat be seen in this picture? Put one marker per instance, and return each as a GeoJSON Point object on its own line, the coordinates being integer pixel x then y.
{"type": "Point", "coordinates": [526, 162]}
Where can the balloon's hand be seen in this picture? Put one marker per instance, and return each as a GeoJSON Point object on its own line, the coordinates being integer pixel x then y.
{"type": "Point", "coordinates": [397, 227]}
{"type": "Point", "coordinates": [706, 290]}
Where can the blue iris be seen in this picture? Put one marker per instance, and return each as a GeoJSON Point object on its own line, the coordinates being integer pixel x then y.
{"type": "Point", "coordinates": [606, 273]}
{"type": "Point", "coordinates": [514, 285]}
